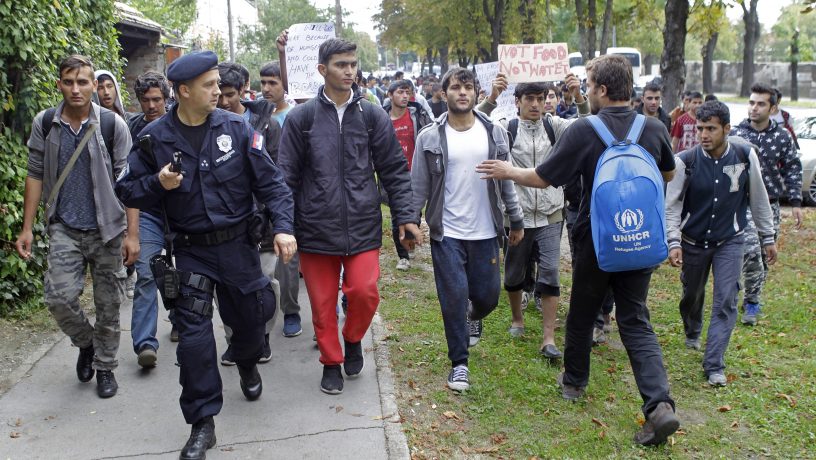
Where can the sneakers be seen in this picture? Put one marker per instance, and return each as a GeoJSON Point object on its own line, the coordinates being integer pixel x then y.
{"type": "Point", "coordinates": [226, 358]}
{"type": "Point", "coordinates": [106, 385]}
{"type": "Point", "coordinates": [475, 330]}
{"type": "Point", "coordinates": [251, 383]}
{"type": "Point", "coordinates": [84, 368]}
{"type": "Point", "coordinates": [174, 336]}
{"type": "Point", "coordinates": [353, 360]}
{"type": "Point", "coordinates": [569, 392]}
{"type": "Point", "coordinates": [291, 325]}
{"type": "Point", "coordinates": [332, 381]}
{"type": "Point", "coordinates": [147, 357]}
{"type": "Point", "coordinates": [403, 264]}
{"type": "Point", "coordinates": [717, 379]}
{"type": "Point", "coordinates": [598, 336]}
{"type": "Point", "coordinates": [693, 344]}
{"type": "Point", "coordinates": [266, 354]}
{"type": "Point", "coordinates": [202, 437]}
{"type": "Point", "coordinates": [660, 424]}
{"type": "Point", "coordinates": [458, 378]}
{"type": "Point", "coordinates": [749, 316]}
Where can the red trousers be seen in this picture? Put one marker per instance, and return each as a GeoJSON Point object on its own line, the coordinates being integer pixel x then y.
{"type": "Point", "coordinates": [321, 273]}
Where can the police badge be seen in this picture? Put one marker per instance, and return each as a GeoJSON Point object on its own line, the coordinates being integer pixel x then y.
{"type": "Point", "coordinates": [224, 142]}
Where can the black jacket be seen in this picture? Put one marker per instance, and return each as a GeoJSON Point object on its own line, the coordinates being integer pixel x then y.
{"type": "Point", "coordinates": [661, 115]}
{"type": "Point", "coordinates": [331, 173]}
{"type": "Point", "coordinates": [260, 117]}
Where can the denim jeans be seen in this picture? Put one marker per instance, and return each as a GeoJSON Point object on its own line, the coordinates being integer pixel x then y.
{"type": "Point", "coordinates": [145, 295]}
{"type": "Point", "coordinates": [725, 263]}
{"type": "Point", "coordinates": [465, 270]}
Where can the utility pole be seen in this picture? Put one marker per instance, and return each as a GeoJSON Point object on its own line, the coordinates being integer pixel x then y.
{"type": "Point", "coordinates": [229, 29]}
{"type": "Point", "coordinates": [338, 18]}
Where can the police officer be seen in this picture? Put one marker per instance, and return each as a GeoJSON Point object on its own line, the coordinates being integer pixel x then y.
{"type": "Point", "coordinates": [208, 209]}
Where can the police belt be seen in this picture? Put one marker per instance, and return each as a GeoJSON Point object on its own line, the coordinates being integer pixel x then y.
{"type": "Point", "coordinates": [212, 238]}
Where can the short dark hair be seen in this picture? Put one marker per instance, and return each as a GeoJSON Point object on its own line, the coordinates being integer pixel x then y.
{"type": "Point", "coordinates": [151, 79]}
{"type": "Point", "coordinates": [230, 74]}
{"type": "Point", "coordinates": [103, 77]}
{"type": "Point", "coordinates": [244, 72]}
{"type": "Point", "coordinates": [615, 72]}
{"type": "Point", "coordinates": [763, 88]}
{"type": "Point", "coordinates": [75, 62]}
{"type": "Point", "coordinates": [399, 84]}
{"type": "Point", "coordinates": [399, 74]}
{"type": "Point", "coordinates": [334, 46]}
{"type": "Point", "coordinates": [271, 69]}
{"type": "Point", "coordinates": [710, 97]}
{"type": "Point", "coordinates": [436, 87]}
{"type": "Point", "coordinates": [653, 87]}
{"type": "Point", "coordinates": [523, 89]}
{"type": "Point", "coordinates": [778, 95]}
{"type": "Point", "coordinates": [695, 95]}
{"type": "Point", "coordinates": [460, 73]}
{"type": "Point", "coordinates": [712, 109]}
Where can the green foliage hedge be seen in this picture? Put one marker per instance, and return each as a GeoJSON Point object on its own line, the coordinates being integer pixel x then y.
{"type": "Point", "coordinates": [35, 36]}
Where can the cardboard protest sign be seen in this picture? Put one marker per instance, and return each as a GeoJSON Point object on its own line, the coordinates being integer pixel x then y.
{"type": "Point", "coordinates": [534, 62]}
{"type": "Point", "coordinates": [506, 103]}
{"type": "Point", "coordinates": [301, 57]}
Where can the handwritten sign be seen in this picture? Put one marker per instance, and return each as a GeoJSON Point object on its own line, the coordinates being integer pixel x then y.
{"type": "Point", "coordinates": [506, 103]}
{"type": "Point", "coordinates": [301, 57]}
{"type": "Point", "coordinates": [530, 63]}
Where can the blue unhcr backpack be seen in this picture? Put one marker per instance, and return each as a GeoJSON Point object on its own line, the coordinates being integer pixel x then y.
{"type": "Point", "coordinates": [627, 209]}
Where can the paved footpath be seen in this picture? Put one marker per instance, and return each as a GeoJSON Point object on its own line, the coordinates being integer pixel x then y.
{"type": "Point", "coordinates": [49, 414]}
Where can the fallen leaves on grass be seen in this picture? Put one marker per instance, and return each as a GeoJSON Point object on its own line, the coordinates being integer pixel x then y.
{"type": "Point", "coordinates": [449, 414]}
{"type": "Point", "coordinates": [498, 438]}
{"type": "Point", "coordinates": [787, 398]}
{"type": "Point", "coordinates": [602, 434]}
{"type": "Point", "coordinates": [724, 408]}
{"type": "Point", "coordinates": [735, 424]}
{"type": "Point", "coordinates": [599, 422]}
{"type": "Point", "coordinates": [479, 450]}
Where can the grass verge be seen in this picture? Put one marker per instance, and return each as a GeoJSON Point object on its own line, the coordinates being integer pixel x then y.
{"type": "Point", "coordinates": [514, 408]}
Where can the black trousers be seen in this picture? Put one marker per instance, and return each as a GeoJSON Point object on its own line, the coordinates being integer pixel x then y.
{"type": "Point", "coordinates": [630, 289]}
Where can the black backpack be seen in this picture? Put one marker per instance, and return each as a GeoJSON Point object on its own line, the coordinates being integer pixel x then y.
{"type": "Point", "coordinates": [107, 125]}
{"type": "Point", "coordinates": [512, 131]}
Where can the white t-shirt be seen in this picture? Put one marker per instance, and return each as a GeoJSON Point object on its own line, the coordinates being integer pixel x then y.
{"type": "Point", "coordinates": [467, 214]}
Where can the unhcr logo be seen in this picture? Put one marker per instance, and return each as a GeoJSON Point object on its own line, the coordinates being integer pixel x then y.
{"type": "Point", "coordinates": [628, 223]}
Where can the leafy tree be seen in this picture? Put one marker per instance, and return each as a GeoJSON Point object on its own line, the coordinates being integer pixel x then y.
{"type": "Point", "coordinates": [35, 36]}
{"type": "Point", "coordinates": [176, 15]}
{"type": "Point", "coordinates": [782, 32]}
{"type": "Point", "coordinates": [753, 30]}
{"type": "Point", "coordinates": [707, 19]}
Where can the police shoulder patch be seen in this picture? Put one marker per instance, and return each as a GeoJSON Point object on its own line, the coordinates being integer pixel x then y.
{"type": "Point", "coordinates": [257, 141]}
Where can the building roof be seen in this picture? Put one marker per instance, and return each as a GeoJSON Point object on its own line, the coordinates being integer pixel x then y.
{"type": "Point", "coordinates": [130, 16]}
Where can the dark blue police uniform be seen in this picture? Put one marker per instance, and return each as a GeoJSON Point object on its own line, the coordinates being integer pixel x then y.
{"type": "Point", "coordinates": [208, 214]}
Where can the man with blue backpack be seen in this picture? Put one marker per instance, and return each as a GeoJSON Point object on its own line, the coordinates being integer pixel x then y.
{"type": "Point", "coordinates": [706, 205]}
{"type": "Point", "coordinates": [619, 235]}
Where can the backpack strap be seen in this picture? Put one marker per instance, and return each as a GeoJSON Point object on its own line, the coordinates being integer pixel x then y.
{"type": "Point", "coordinates": [550, 131]}
{"type": "Point", "coordinates": [601, 130]}
{"type": "Point", "coordinates": [637, 129]}
{"type": "Point", "coordinates": [47, 121]}
{"type": "Point", "coordinates": [512, 131]}
{"type": "Point", "coordinates": [107, 122]}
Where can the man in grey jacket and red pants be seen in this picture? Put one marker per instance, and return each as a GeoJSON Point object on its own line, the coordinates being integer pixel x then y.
{"type": "Point", "coordinates": [464, 214]}
{"type": "Point", "coordinates": [330, 149]}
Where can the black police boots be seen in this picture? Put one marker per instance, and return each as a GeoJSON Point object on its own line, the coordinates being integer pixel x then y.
{"type": "Point", "coordinates": [202, 437]}
{"type": "Point", "coordinates": [106, 385]}
{"type": "Point", "coordinates": [251, 383]}
{"type": "Point", "coordinates": [84, 368]}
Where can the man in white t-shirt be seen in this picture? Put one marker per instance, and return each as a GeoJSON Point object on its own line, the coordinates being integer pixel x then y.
{"type": "Point", "coordinates": [464, 215]}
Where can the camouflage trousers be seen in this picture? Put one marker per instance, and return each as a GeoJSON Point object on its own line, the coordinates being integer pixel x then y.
{"type": "Point", "coordinates": [70, 251]}
{"type": "Point", "coordinates": [754, 266]}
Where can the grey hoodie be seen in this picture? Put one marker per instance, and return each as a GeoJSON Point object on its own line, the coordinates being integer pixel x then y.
{"type": "Point", "coordinates": [428, 176]}
{"type": "Point", "coordinates": [119, 108]}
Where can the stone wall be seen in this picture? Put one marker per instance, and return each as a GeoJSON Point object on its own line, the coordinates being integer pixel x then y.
{"type": "Point", "coordinates": [728, 77]}
{"type": "Point", "coordinates": [145, 58]}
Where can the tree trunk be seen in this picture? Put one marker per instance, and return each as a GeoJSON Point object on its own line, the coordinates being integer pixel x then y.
{"type": "Point", "coordinates": [585, 15]}
{"type": "Point", "coordinates": [795, 66]}
{"type": "Point", "coordinates": [708, 63]}
{"type": "Point", "coordinates": [648, 61]}
{"type": "Point", "coordinates": [672, 62]}
{"type": "Point", "coordinates": [429, 56]}
{"type": "Point", "coordinates": [443, 60]}
{"type": "Point", "coordinates": [496, 21]}
{"type": "Point", "coordinates": [752, 31]}
{"type": "Point", "coordinates": [526, 10]}
{"type": "Point", "coordinates": [548, 13]}
{"type": "Point", "coordinates": [338, 18]}
{"type": "Point", "coordinates": [606, 31]}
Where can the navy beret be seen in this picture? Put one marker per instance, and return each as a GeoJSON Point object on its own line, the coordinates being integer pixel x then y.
{"type": "Point", "coordinates": [191, 65]}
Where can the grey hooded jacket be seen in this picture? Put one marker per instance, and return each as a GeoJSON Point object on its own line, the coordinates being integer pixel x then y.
{"type": "Point", "coordinates": [428, 176]}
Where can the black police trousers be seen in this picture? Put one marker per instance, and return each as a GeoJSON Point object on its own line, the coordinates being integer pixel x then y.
{"type": "Point", "coordinates": [630, 289]}
{"type": "Point", "coordinates": [245, 302]}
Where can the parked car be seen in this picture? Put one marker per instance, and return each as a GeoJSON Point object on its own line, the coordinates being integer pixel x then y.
{"type": "Point", "coordinates": [806, 133]}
